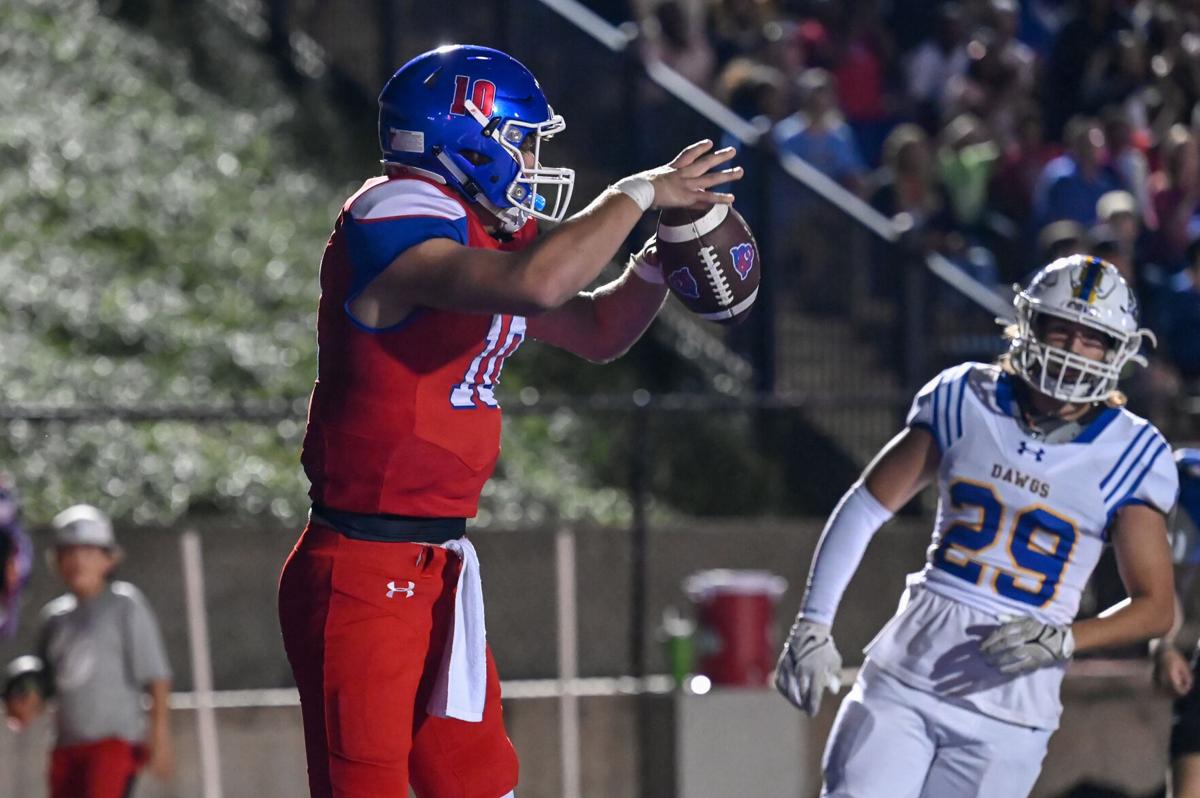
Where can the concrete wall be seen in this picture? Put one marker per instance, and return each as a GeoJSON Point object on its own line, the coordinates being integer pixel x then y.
{"type": "Point", "coordinates": [1114, 728]}
{"type": "Point", "coordinates": [242, 567]}
{"type": "Point", "coordinates": [1114, 732]}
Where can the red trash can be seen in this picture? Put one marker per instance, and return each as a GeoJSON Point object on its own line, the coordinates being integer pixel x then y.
{"type": "Point", "coordinates": [735, 614]}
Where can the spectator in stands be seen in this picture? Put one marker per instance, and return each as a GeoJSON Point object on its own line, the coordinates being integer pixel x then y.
{"type": "Point", "coordinates": [1172, 91]}
{"type": "Point", "coordinates": [755, 92]}
{"type": "Point", "coordinates": [1116, 75]}
{"type": "Point", "coordinates": [1117, 236]}
{"type": "Point", "coordinates": [1174, 192]}
{"type": "Point", "coordinates": [966, 157]}
{"type": "Point", "coordinates": [1081, 53]}
{"type": "Point", "coordinates": [737, 27]}
{"type": "Point", "coordinates": [1128, 83]}
{"type": "Point", "coordinates": [16, 557]}
{"type": "Point", "coordinates": [102, 653]}
{"type": "Point", "coordinates": [1041, 20]}
{"type": "Point", "coordinates": [1021, 164]}
{"type": "Point", "coordinates": [862, 50]}
{"type": "Point", "coordinates": [818, 133]}
{"type": "Point", "coordinates": [1071, 184]}
{"type": "Point", "coordinates": [1060, 239]}
{"type": "Point", "coordinates": [1181, 318]}
{"type": "Point", "coordinates": [988, 89]}
{"type": "Point", "coordinates": [905, 189]}
{"type": "Point", "coordinates": [1126, 160]}
{"type": "Point", "coordinates": [935, 63]}
{"type": "Point", "coordinates": [669, 36]}
{"type": "Point", "coordinates": [1018, 57]}
{"type": "Point", "coordinates": [787, 50]}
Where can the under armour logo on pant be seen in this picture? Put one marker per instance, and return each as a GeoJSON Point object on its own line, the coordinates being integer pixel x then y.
{"type": "Point", "coordinates": [407, 590]}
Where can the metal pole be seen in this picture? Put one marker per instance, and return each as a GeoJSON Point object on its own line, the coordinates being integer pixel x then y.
{"type": "Point", "coordinates": [912, 318]}
{"type": "Point", "coordinates": [202, 682]}
{"type": "Point", "coordinates": [568, 664]}
{"type": "Point", "coordinates": [763, 316]}
{"type": "Point", "coordinates": [637, 540]}
{"type": "Point", "coordinates": [637, 576]}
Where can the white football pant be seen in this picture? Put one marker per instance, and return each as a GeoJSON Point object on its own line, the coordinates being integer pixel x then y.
{"type": "Point", "coordinates": [893, 741]}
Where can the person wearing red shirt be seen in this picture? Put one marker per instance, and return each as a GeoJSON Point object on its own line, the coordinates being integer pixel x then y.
{"type": "Point", "coordinates": [430, 281]}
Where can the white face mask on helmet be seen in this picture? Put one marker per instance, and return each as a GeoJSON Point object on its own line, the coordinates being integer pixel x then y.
{"type": "Point", "coordinates": [526, 201]}
{"type": "Point", "coordinates": [1088, 291]}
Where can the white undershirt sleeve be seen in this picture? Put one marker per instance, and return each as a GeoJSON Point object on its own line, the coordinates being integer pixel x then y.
{"type": "Point", "coordinates": [849, 529]}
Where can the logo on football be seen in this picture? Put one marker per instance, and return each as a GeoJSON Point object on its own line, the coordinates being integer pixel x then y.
{"type": "Point", "coordinates": [709, 258]}
{"type": "Point", "coordinates": [683, 283]}
{"type": "Point", "coordinates": [743, 259]}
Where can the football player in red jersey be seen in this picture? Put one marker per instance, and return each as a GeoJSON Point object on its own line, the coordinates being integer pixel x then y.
{"type": "Point", "coordinates": [431, 279]}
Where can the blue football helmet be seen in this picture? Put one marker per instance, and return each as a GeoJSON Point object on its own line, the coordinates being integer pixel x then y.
{"type": "Point", "coordinates": [471, 117]}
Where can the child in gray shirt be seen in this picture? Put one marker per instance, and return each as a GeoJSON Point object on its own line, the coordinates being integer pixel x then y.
{"type": "Point", "coordinates": [102, 651]}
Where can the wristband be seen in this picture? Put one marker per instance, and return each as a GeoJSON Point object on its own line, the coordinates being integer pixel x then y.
{"type": "Point", "coordinates": [638, 189]}
{"type": "Point", "coordinates": [648, 272]}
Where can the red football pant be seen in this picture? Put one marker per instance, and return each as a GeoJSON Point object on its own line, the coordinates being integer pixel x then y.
{"type": "Point", "coordinates": [365, 649]}
{"type": "Point", "coordinates": [103, 769]}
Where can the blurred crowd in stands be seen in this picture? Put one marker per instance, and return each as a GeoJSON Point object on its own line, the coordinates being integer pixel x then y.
{"type": "Point", "coordinates": [999, 133]}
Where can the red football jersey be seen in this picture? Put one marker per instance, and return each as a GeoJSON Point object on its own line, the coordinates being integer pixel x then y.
{"type": "Point", "coordinates": [403, 420]}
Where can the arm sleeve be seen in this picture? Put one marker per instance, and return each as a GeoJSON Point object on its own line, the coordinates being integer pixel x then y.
{"type": "Point", "coordinates": [849, 529]}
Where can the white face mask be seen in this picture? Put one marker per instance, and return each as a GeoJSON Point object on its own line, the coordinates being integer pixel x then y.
{"type": "Point", "coordinates": [533, 186]}
{"type": "Point", "coordinates": [1086, 291]}
{"type": "Point", "coordinates": [530, 189]}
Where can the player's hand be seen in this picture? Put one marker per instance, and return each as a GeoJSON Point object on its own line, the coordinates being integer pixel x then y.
{"type": "Point", "coordinates": [809, 665]}
{"type": "Point", "coordinates": [1172, 671]}
{"type": "Point", "coordinates": [685, 181]}
{"type": "Point", "coordinates": [1024, 644]}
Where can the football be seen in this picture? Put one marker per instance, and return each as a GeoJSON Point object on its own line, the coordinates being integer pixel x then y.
{"type": "Point", "coordinates": [710, 261]}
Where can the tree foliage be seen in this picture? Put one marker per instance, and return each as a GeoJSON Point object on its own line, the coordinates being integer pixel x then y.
{"type": "Point", "coordinates": [159, 245]}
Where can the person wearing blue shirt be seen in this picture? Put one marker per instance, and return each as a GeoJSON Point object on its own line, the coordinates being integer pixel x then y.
{"type": "Point", "coordinates": [1071, 184]}
{"type": "Point", "coordinates": [819, 134]}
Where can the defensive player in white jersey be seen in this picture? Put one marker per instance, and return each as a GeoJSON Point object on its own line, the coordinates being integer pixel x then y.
{"type": "Point", "coordinates": [1038, 466]}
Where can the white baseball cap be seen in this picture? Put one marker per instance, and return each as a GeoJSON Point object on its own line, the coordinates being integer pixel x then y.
{"type": "Point", "coordinates": [1113, 202]}
{"type": "Point", "coordinates": [83, 525]}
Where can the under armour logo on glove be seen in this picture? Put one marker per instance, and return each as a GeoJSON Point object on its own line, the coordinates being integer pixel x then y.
{"type": "Point", "coordinates": [407, 590]}
{"type": "Point", "coordinates": [1020, 645]}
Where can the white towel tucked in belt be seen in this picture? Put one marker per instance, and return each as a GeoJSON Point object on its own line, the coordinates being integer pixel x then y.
{"type": "Point", "coordinates": [461, 687]}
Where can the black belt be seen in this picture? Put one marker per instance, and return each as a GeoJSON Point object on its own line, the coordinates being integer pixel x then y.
{"type": "Point", "coordinates": [390, 528]}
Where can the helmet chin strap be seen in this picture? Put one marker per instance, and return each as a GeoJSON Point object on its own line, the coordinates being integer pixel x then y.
{"type": "Point", "coordinates": [1051, 427]}
{"type": "Point", "coordinates": [511, 219]}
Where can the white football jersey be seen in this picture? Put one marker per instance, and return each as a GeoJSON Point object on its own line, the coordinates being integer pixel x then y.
{"type": "Point", "coordinates": [1020, 526]}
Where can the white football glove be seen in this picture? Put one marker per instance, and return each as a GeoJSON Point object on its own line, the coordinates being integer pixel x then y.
{"type": "Point", "coordinates": [809, 665]}
{"type": "Point", "coordinates": [1024, 644]}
